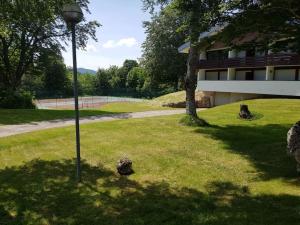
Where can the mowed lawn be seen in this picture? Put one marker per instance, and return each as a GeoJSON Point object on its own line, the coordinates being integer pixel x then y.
{"type": "Point", "coordinates": [19, 116]}
{"type": "Point", "coordinates": [232, 173]}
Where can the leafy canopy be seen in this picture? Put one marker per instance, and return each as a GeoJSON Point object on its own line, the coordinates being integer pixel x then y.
{"type": "Point", "coordinates": [29, 26]}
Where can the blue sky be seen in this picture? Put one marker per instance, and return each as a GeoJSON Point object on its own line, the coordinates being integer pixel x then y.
{"type": "Point", "coordinates": [119, 38]}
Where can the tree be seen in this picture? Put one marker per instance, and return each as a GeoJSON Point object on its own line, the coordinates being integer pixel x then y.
{"type": "Point", "coordinates": [103, 85]}
{"type": "Point", "coordinates": [54, 71]}
{"type": "Point", "coordinates": [161, 59]}
{"type": "Point", "coordinates": [136, 79]}
{"type": "Point", "coordinates": [114, 78]}
{"type": "Point", "coordinates": [124, 70]}
{"type": "Point", "coordinates": [28, 26]}
{"type": "Point", "coordinates": [87, 83]}
{"type": "Point", "coordinates": [56, 79]}
{"type": "Point", "coordinates": [198, 16]}
{"type": "Point", "coordinates": [277, 24]}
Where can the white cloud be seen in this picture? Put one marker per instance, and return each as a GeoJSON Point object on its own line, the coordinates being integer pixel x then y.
{"type": "Point", "coordinates": [91, 48]}
{"type": "Point", "coordinates": [124, 42]}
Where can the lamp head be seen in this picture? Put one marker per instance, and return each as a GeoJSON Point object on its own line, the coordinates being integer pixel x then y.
{"type": "Point", "coordinates": [72, 13]}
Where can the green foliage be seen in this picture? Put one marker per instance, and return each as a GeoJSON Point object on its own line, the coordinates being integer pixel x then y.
{"type": "Point", "coordinates": [87, 84]}
{"type": "Point", "coordinates": [275, 22]}
{"type": "Point", "coordinates": [49, 77]}
{"type": "Point", "coordinates": [115, 77]}
{"type": "Point", "coordinates": [28, 27]}
{"type": "Point", "coordinates": [16, 100]}
{"type": "Point", "coordinates": [164, 64]}
{"type": "Point", "coordinates": [122, 72]}
{"type": "Point", "coordinates": [103, 85]}
{"type": "Point", "coordinates": [136, 79]}
{"type": "Point", "coordinates": [56, 79]}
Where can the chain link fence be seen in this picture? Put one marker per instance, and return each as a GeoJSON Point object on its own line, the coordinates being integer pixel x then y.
{"type": "Point", "coordinates": [84, 102]}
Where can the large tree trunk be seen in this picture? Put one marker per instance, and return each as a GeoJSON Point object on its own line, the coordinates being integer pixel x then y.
{"type": "Point", "coordinates": [191, 81]}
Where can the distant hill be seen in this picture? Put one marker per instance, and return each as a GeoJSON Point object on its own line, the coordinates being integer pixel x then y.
{"type": "Point", "coordinates": [83, 70]}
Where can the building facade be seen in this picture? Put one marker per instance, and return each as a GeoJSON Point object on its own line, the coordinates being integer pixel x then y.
{"type": "Point", "coordinates": [227, 75]}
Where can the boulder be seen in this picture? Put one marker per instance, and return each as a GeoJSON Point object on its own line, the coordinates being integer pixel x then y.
{"type": "Point", "coordinates": [293, 143]}
{"type": "Point", "coordinates": [244, 112]}
{"type": "Point", "coordinates": [124, 166]}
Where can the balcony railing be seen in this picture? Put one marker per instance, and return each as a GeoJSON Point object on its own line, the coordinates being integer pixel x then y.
{"type": "Point", "coordinates": [248, 62]}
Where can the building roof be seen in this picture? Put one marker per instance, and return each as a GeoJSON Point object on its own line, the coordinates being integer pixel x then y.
{"type": "Point", "coordinates": [213, 31]}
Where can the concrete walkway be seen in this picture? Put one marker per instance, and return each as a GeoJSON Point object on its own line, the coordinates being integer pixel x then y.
{"type": "Point", "coordinates": [10, 130]}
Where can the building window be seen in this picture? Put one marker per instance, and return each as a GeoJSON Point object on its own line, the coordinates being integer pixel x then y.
{"type": "Point", "coordinates": [250, 75]}
{"type": "Point", "coordinates": [250, 52]}
{"type": "Point", "coordinates": [217, 55]}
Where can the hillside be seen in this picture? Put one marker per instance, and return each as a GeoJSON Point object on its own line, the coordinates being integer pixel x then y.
{"type": "Point", "coordinates": [89, 71]}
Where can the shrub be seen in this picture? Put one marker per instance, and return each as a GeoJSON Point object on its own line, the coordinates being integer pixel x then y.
{"type": "Point", "coordinates": [16, 100]}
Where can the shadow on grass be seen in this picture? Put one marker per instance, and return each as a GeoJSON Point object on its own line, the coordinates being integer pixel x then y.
{"type": "Point", "coordinates": [21, 116]}
{"type": "Point", "coordinates": [263, 145]}
{"type": "Point", "coordinates": [44, 192]}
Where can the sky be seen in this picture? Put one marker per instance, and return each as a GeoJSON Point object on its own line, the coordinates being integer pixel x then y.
{"type": "Point", "coordinates": [119, 38]}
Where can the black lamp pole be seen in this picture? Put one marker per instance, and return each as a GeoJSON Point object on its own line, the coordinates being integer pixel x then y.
{"type": "Point", "coordinates": [78, 166]}
{"type": "Point", "coordinates": [72, 15]}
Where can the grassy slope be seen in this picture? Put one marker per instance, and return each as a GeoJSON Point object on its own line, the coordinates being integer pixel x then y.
{"type": "Point", "coordinates": [17, 116]}
{"type": "Point", "coordinates": [169, 98]}
{"type": "Point", "coordinates": [234, 172]}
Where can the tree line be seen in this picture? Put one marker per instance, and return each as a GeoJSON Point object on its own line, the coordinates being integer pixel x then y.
{"type": "Point", "coordinates": [55, 80]}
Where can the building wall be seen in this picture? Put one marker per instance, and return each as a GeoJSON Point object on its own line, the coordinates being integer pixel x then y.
{"type": "Point", "coordinates": [285, 74]}
{"type": "Point", "coordinates": [211, 75]}
{"type": "Point", "coordinates": [272, 87]}
{"type": "Point", "coordinates": [259, 74]}
{"type": "Point", "coordinates": [222, 98]}
{"type": "Point", "coordinates": [240, 75]}
{"type": "Point", "coordinates": [223, 75]}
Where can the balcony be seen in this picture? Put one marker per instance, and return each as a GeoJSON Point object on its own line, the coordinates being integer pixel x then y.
{"type": "Point", "coordinates": [252, 62]}
{"type": "Point", "coordinates": [288, 88]}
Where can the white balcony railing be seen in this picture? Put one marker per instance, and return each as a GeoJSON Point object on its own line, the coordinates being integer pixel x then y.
{"type": "Point", "coordinates": [288, 88]}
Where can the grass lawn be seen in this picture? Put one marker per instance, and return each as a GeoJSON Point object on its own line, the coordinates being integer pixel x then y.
{"type": "Point", "coordinates": [232, 173]}
{"type": "Point", "coordinates": [169, 98]}
{"type": "Point", "coordinates": [18, 116]}
{"type": "Point", "coordinates": [120, 107]}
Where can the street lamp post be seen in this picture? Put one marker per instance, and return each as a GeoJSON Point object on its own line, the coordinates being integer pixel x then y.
{"type": "Point", "coordinates": [72, 14]}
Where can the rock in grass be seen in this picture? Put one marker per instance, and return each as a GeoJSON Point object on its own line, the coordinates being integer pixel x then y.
{"type": "Point", "coordinates": [124, 167]}
{"type": "Point", "coordinates": [293, 143]}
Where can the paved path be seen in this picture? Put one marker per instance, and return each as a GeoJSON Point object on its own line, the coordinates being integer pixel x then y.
{"type": "Point", "coordinates": [10, 130]}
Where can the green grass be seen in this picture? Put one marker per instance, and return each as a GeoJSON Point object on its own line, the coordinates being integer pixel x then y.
{"type": "Point", "coordinates": [19, 116]}
{"type": "Point", "coordinates": [232, 173]}
{"type": "Point", "coordinates": [131, 107]}
{"type": "Point", "coordinates": [170, 98]}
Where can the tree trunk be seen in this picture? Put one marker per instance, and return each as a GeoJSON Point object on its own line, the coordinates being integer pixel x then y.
{"type": "Point", "coordinates": [191, 81]}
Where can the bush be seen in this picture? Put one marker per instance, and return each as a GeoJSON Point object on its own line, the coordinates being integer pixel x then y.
{"type": "Point", "coordinates": [16, 100]}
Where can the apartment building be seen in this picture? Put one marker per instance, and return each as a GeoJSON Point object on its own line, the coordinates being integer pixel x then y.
{"type": "Point", "coordinates": [228, 75]}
